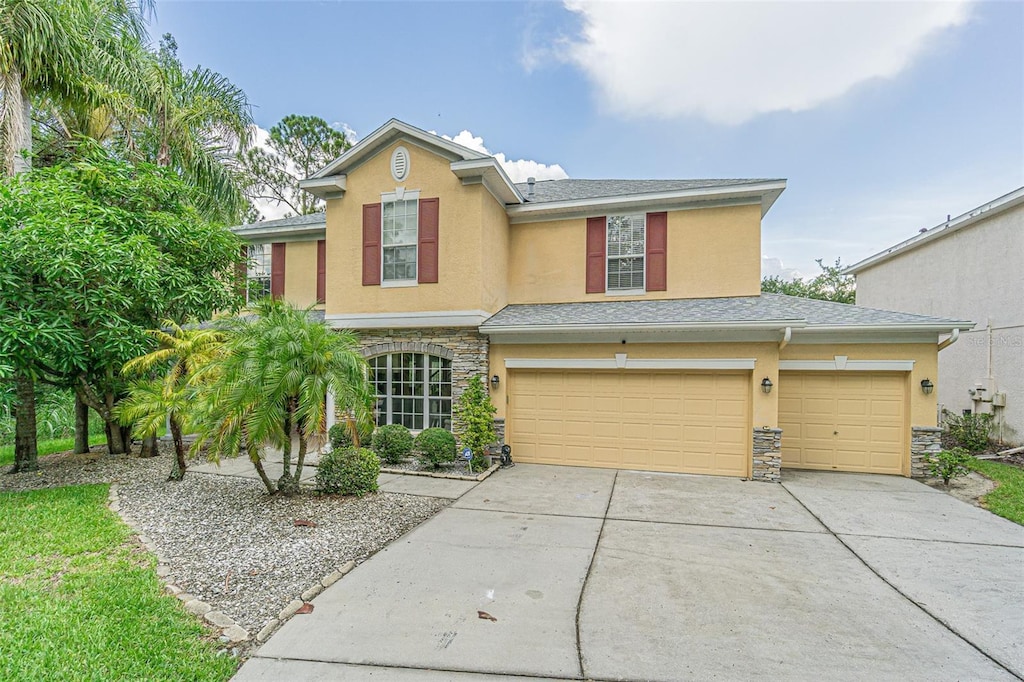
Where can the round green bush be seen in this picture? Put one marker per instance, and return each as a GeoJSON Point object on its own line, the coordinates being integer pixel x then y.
{"type": "Point", "coordinates": [340, 436]}
{"type": "Point", "coordinates": [435, 446]}
{"type": "Point", "coordinates": [392, 443]}
{"type": "Point", "coordinates": [348, 471]}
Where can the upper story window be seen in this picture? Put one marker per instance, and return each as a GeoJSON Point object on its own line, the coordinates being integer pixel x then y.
{"type": "Point", "coordinates": [626, 249]}
{"type": "Point", "coordinates": [257, 275]}
{"type": "Point", "coordinates": [399, 237]}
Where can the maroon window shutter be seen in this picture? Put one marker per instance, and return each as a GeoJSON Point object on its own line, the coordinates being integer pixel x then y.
{"type": "Point", "coordinates": [427, 269]}
{"type": "Point", "coordinates": [371, 244]}
{"type": "Point", "coordinates": [596, 249]}
{"type": "Point", "coordinates": [277, 270]}
{"type": "Point", "coordinates": [657, 251]}
{"type": "Point", "coordinates": [321, 270]}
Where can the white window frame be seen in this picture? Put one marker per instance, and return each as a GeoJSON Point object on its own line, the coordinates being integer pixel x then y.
{"type": "Point", "coordinates": [388, 398]}
{"type": "Point", "coordinates": [624, 291]}
{"type": "Point", "coordinates": [254, 269]}
{"type": "Point", "coordinates": [392, 197]}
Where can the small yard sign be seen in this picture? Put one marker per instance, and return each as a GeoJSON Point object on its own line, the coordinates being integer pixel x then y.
{"type": "Point", "coordinates": [467, 454]}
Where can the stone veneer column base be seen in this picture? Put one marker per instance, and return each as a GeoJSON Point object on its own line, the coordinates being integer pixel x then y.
{"type": "Point", "coordinates": [767, 456]}
{"type": "Point", "coordinates": [925, 441]}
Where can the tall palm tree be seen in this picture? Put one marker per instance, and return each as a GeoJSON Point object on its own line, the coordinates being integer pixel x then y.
{"type": "Point", "coordinates": [184, 351]}
{"type": "Point", "coordinates": [46, 47]}
{"type": "Point", "coordinates": [279, 365]}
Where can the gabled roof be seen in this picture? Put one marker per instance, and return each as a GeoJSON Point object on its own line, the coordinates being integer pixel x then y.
{"type": "Point", "coordinates": [295, 226]}
{"type": "Point", "coordinates": [992, 208]}
{"type": "Point", "coordinates": [389, 133]}
{"type": "Point", "coordinates": [767, 311]}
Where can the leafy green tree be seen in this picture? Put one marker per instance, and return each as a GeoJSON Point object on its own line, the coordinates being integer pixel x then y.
{"type": "Point", "coordinates": [272, 381]}
{"type": "Point", "coordinates": [92, 254]}
{"type": "Point", "coordinates": [299, 146]}
{"type": "Point", "coordinates": [183, 352]}
{"type": "Point", "coordinates": [474, 420]}
{"type": "Point", "coordinates": [829, 285]}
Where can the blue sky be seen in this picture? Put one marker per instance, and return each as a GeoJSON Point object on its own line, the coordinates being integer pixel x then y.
{"type": "Point", "coordinates": [883, 117]}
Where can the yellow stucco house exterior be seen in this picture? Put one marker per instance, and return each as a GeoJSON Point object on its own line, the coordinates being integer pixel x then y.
{"type": "Point", "coordinates": [618, 323]}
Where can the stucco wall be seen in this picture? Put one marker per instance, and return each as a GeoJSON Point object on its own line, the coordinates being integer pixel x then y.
{"type": "Point", "coordinates": [460, 242]}
{"type": "Point", "coordinates": [300, 272]}
{"type": "Point", "coordinates": [711, 252]}
{"type": "Point", "coordinates": [974, 274]}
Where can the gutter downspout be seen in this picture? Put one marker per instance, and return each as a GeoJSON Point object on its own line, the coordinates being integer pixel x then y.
{"type": "Point", "coordinates": [951, 340]}
{"type": "Point", "coordinates": [786, 338]}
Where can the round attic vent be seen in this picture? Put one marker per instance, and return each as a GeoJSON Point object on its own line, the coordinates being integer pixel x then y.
{"type": "Point", "coordinates": [400, 164]}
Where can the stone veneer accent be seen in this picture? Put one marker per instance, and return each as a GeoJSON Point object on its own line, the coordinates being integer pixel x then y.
{"type": "Point", "coordinates": [465, 347]}
{"type": "Point", "coordinates": [767, 455]}
{"type": "Point", "coordinates": [925, 441]}
{"type": "Point", "coordinates": [499, 429]}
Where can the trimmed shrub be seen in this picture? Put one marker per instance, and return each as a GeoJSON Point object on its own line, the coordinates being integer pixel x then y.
{"type": "Point", "coordinates": [475, 413]}
{"type": "Point", "coordinates": [341, 436]}
{"type": "Point", "coordinates": [970, 431]}
{"type": "Point", "coordinates": [392, 443]}
{"type": "Point", "coordinates": [348, 471]}
{"type": "Point", "coordinates": [950, 464]}
{"type": "Point", "coordinates": [435, 446]}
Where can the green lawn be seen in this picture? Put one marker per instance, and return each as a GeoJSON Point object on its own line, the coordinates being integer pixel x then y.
{"type": "Point", "coordinates": [48, 447]}
{"type": "Point", "coordinates": [1007, 499]}
{"type": "Point", "coordinates": [81, 602]}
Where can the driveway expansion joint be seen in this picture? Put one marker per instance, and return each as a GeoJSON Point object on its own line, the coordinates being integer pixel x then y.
{"type": "Point", "coordinates": [916, 603]}
{"type": "Point", "coordinates": [590, 569]}
{"type": "Point", "coordinates": [933, 540]}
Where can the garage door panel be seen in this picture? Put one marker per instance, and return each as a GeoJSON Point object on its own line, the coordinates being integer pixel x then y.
{"type": "Point", "coordinates": [693, 422]}
{"type": "Point", "coordinates": [848, 421]}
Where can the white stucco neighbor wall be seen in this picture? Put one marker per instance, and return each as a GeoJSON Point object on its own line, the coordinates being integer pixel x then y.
{"type": "Point", "coordinates": [975, 273]}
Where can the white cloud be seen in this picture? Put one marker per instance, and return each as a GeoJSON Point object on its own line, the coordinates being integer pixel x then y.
{"type": "Point", "coordinates": [773, 267]}
{"type": "Point", "coordinates": [518, 170]}
{"type": "Point", "coordinates": [730, 61]}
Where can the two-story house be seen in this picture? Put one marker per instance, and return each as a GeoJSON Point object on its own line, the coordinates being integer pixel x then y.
{"type": "Point", "coordinates": [618, 323]}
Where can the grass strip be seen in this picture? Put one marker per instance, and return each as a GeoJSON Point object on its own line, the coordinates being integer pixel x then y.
{"type": "Point", "coordinates": [81, 601]}
{"type": "Point", "coordinates": [1007, 500]}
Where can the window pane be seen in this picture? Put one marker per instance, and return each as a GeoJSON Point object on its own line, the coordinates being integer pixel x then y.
{"type": "Point", "coordinates": [404, 380]}
{"type": "Point", "coordinates": [626, 235]}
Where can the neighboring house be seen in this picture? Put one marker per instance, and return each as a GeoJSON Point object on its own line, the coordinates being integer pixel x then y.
{"type": "Point", "coordinates": [971, 268]}
{"type": "Point", "coordinates": [619, 323]}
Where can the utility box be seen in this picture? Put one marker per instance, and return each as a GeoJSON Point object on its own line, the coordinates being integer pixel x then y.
{"type": "Point", "coordinates": [999, 399]}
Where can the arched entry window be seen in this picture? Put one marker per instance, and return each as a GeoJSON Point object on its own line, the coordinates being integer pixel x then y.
{"type": "Point", "coordinates": [413, 389]}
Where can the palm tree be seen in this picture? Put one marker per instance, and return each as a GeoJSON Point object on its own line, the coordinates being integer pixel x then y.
{"type": "Point", "coordinates": [185, 352]}
{"type": "Point", "coordinates": [278, 367]}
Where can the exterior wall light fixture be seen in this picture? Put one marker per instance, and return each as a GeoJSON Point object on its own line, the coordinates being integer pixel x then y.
{"type": "Point", "coordinates": [927, 386]}
{"type": "Point", "coordinates": [766, 385]}
{"type": "Point", "coordinates": [495, 380]}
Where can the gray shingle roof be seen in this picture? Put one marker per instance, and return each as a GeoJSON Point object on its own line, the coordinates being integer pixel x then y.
{"type": "Point", "coordinates": [570, 189]}
{"type": "Point", "coordinates": [294, 221]}
{"type": "Point", "coordinates": [763, 308]}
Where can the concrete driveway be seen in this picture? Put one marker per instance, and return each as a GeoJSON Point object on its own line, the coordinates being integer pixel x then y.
{"type": "Point", "coordinates": [604, 575]}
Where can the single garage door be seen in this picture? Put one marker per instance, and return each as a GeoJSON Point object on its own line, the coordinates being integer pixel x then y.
{"type": "Point", "coordinates": [677, 421]}
{"type": "Point", "coordinates": [843, 421]}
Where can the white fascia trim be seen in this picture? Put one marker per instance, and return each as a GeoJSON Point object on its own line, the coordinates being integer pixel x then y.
{"type": "Point", "coordinates": [847, 365]}
{"type": "Point", "coordinates": [394, 125]}
{"type": "Point", "coordinates": [768, 190]}
{"type": "Point", "coordinates": [434, 318]}
{"type": "Point", "coordinates": [772, 325]}
{"type": "Point", "coordinates": [938, 328]}
{"type": "Point", "coordinates": [493, 177]}
{"type": "Point", "coordinates": [992, 208]}
{"type": "Point", "coordinates": [332, 187]}
{"type": "Point", "coordinates": [628, 363]}
{"type": "Point", "coordinates": [287, 233]}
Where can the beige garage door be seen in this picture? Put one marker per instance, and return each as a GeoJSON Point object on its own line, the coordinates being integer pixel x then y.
{"type": "Point", "coordinates": [850, 421]}
{"type": "Point", "coordinates": [657, 421]}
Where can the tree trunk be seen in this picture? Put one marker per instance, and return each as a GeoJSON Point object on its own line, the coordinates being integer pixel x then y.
{"type": "Point", "coordinates": [26, 454]}
{"type": "Point", "coordinates": [149, 447]}
{"type": "Point", "coordinates": [118, 436]}
{"type": "Point", "coordinates": [287, 484]}
{"type": "Point", "coordinates": [178, 470]}
{"type": "Point", "coordinates": [81, 425]}
{"type": "Point", "coordinates": [257, 462]}
{"type": "Point", "coordinates": [303, 445]}
{"type": "Point", "coordinates": [18, 111]}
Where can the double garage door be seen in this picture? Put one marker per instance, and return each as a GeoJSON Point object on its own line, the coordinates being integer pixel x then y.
{"type": "Point", "coordinates": [690, 422]}
{"type": "Point", "coordinates": [843, 421]}
{"type": "Point", "coordinates": [699, 422]}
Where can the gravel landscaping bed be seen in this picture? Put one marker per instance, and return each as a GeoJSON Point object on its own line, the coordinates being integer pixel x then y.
{"type": "Point", "coordinates": [229, 543]}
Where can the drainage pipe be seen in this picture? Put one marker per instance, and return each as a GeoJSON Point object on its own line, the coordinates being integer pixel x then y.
{"type": "Point", "coordinates": [951, 340]}
{"type": "Point", "coordinates": [786, 338]}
